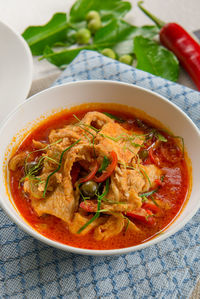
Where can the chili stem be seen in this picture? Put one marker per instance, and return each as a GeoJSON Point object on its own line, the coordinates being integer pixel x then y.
{"type": "Point", "coordinates": [157, 21]}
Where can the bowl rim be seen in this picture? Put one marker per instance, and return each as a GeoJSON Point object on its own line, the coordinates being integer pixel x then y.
{"type": "Point", "coordinates": [29, 60]}
{"type": "Point", "coordinates": [32, 232]}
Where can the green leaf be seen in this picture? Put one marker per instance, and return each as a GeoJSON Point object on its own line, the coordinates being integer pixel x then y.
{"type": "Point", "coordinates": [64, 57]}
{"type": "Point", "coordinates": [160, 137]}
{"type": "Point", "coordinates": [118, 31]}
{"type": "Point", "coordinates": [38, 37]}
{"type": "Point", "coordinates": [120, 120]}
{"type": "Point", "coordinates": [146, 194]}
{"type": "Point", "coordinates": [114, 32]}
{"type": "Point", "coordinates": [106, 8]}
{"type": "Point", "coordinates": [119, 35]}
{"type": "Point", "coordinates": [155, 59]}
{"type": "Point", "coordinates": [104, 164]}
{"type": "Point", "coordinates": [127, 46]}
{"type": "Point", "coordinates": [69, 40]}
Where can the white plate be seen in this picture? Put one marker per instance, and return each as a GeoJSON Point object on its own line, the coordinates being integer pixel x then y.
{"type": "Point", "coordinates": [16, 67]}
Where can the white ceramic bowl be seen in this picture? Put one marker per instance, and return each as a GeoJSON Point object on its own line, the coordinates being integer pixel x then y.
{"type": "Point", "coordinates": [16, 69]}
{"type": "Point", "coordinates": [76, 93]}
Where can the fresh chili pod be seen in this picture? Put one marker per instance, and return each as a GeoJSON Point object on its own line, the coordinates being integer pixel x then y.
{"type": "Point", "coordinates": [180, 42]}
{"type": "Point", "coordinates": [91, 175]}
{"type": "Point", "coordinates": [109, 170]}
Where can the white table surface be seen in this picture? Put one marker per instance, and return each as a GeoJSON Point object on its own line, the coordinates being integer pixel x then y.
{"type": "Point", "coordinates": [22, 13]}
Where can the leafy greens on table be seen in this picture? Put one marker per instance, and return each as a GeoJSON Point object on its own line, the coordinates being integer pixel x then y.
{"type": "Point", "coordinates": [56, 41]}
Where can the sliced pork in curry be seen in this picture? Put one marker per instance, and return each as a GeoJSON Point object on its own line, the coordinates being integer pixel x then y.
{"type": "Point", "coordinates": [96, 174]}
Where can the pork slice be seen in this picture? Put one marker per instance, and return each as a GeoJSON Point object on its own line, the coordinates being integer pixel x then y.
{"type": "Point", "coordinates": [96, 119]}
{"type": "Point", "coordinates": [79, 220]}
{"type": "Point", "coordinates": [69, 134]}
{"type": "Point", "coordinates": [114, 137]}
{"type": "Point", "coordinates": [112, 227]}
{"type": "Point", "coordinates": [56, 204]}
{"type": "Point", "coordinates": [127, 184]}
{"type": "Point", "coordinates": [143, 177]}
{"type": "Point", "coordinates": [81, 129]}
{"type": "Point", "coordinates": [17, 161]}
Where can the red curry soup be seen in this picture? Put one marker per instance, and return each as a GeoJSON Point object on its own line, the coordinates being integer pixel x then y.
{"type": "Point", "coordinates": [99, 179]}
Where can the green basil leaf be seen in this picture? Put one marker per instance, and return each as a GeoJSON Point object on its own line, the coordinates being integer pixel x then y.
{"type": "Point", "coordinates": [38, 37]}
{"type": "Point", "coordinates": [155, 59]}
{"type": "Point", "coordinates": [119, 35]}
{"type": "Point", "coordinates": [64, 57]}
{"type": "Point", "coordinates": [127, 46]}
{"type": "Point", "coordinates": [114, 32]}
{"type": "Point", "coordinates": [106, 8]}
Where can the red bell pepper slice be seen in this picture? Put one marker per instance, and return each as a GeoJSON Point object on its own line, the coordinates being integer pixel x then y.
{"type": "Point", "coordinates": [91, 175]}
{"type": "Point", "coordinates": [109, 170]}
{"type": "Point", "coordinates": [145, 216]}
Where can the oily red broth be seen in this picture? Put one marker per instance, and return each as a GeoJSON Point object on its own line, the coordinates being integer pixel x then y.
{"type": "Point", "coordinates": [173, 193]}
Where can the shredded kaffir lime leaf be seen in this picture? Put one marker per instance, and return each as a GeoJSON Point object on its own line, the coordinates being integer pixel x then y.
{"type": "Point", "coordinates": [112, 116]}
{"type": "Point", "coordinates": [58, 168]}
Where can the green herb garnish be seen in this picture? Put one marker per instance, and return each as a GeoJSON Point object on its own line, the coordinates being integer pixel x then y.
{"type": "Point", "coordinates": [99, 199]}
{"type": "Point", "coordinates": [145, 174]}
{"type": "Point", "coordinates": [182, 141]}
{"type": "Point", "coordinates": [146, 194]}
{"type": "Point", "coordinates": [127, 225]}
{"type": "Point", "coordinates": [82, 126]}
{"type": "Point", "coordinates": [155, 203]}
{"type": "Point", "coordinates": [144, 198]}
{"type": "Point", "coordinates": [104, 164]}
{"type": "Point", "coordinates": [58, 168]}
{"type": "Point", "coordinates": [112, 116]}
{"type": "Point", "coordinates": [162, 178]}
{"type": "Point", "coordinates": [159, 136]}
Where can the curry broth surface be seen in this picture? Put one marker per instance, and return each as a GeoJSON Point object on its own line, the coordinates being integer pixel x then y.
{"type": "Point", "coordinates": [174, 191]}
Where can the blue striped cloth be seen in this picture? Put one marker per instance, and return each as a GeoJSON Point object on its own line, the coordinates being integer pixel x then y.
{"type": "Point", "coordinates": [30, 269]}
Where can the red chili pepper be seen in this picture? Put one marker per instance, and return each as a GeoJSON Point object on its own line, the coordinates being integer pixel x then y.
{"type": "Point", "coordinates": [109, 170]}
{"type": "Point", "coordinates": [89, 206]}
{"type": "Point", "coordinates": [177, 39]}
{"type": "Point", "coordinates": [91, 175]}
{"type": "Point", "coordinates": [158, 182]}
{"type": "Point", "coordinates": [142, 215]}
{"type": "Point", "coordinates": [150, 206]}
{"type": "Point", "coordinates": [152, 156]}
